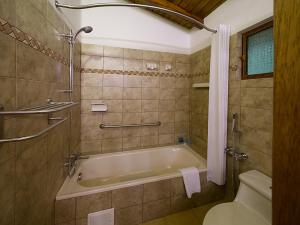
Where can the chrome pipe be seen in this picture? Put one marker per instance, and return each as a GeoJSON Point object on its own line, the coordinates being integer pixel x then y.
{"type": "Point", "coordinates": [102, 126]}
{"type": "Point", "coordinates": [18, 139]}
{"type": "Point", "coordinates": [169, 11]}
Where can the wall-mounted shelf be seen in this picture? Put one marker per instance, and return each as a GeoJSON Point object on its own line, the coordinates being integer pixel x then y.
{"type": "Point", "coordinates": [49, 107]}
{"type": "Point", "coordinates": [201, 85]}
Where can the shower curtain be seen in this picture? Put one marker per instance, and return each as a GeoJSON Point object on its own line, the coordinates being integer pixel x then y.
{"type": "Point", "coordinates": [218, 104]}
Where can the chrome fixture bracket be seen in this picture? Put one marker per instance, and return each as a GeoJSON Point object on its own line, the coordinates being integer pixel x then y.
{"type": "Point", "coordinates": [197, 23]}
{"type": "Point", "coordinates": [239, 156]}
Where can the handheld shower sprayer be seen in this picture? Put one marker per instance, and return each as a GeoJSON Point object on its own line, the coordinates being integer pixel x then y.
{"type": "Point", "coordinates": [87, 29]}
{"type": "Point", "coordinates": [71, 38]}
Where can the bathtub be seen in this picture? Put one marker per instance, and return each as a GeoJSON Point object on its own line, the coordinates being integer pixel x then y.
{"type": "Point", "coordinates": [113, 171]}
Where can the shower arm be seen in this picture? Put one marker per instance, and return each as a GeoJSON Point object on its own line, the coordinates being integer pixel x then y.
{"type": "Point", "coordinates": [169, 11]}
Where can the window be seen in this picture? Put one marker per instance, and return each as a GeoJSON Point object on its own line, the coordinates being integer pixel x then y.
{"type": "Point", "coordinates": [258, 52]}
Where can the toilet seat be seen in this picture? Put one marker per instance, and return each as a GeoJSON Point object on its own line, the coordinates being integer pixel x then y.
{"type": "Point", "coordinates": [233, 213]}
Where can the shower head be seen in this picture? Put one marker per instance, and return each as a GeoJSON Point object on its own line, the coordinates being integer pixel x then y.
{"type": "Point", "coordinates": [86, 29]}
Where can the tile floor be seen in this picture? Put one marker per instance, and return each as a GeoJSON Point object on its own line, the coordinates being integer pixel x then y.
{"type": "Point", "coordinates": [193, 216]}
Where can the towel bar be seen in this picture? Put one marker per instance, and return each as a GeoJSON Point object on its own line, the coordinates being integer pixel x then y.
{"type": "Point", "coordinates": [102, 126]}
{"type": "Point", "coordinates": [17, 139]}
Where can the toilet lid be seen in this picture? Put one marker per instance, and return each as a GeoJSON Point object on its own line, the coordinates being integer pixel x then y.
{"type": "Point", "coordinates": [233, 213]}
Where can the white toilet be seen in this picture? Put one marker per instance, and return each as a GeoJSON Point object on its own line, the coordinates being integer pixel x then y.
{"type": "Point", "coordinates": [252, 205]}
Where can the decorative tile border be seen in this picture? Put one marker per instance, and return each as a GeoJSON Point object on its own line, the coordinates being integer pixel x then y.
{"type": "Point", "coordinates": [19, 35]}
{"type": "Point", "coordinates": [134, 73]}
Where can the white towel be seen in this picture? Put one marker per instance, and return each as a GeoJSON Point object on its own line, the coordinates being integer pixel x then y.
{"type": "Point", "coordinates": [191, 180]}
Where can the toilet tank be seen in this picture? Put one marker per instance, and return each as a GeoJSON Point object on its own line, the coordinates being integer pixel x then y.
{"type": "Point", "coordinates": [255, 192]}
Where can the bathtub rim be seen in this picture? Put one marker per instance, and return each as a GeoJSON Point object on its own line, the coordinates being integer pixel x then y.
{"type": "Point", "coordinates": [126, 184]}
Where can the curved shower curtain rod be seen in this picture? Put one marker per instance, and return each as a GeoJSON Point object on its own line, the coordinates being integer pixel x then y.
{"type": "Point", "coordinates": [194, 21]}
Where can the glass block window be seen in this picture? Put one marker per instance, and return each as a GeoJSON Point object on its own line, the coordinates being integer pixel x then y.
{"type": "Point", "coordinates": [258, 52]}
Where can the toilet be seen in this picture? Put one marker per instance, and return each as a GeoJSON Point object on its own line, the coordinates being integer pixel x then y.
{"type": "Point", "coordinates": [252, 205]}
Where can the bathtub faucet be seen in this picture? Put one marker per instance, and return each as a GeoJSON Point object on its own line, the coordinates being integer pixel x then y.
{"type": "Point", "coordinates": [72, 163]}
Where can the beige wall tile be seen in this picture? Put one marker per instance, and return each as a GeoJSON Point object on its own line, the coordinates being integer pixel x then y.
{"type": "Point", "coordinates": [151, 55]}
{"type": "Point", "coordinates": [92, 62]}
{"type": "Point", "coordinates": [257, 139]}
{"type": "Point", "coordinates": [167, 93]}
{"type": "Point", "coordinates": [150, 105]}
{"type": "Point", "coordinates": [257, 97]}
{"type": "Point", "coordinates": [7, 53]}
{"type": "Point", "coordinates": [112, 145]}
{"type": "Point", "coordinates": [91, 147]}
{"type": "Point", "coordinates": [167, 82]}
{"type": "Point", "coordinates": [132, 81]}
{"type": "Point", "coordinates": [133, 65]}
{"type": "Point", "coordinates": [90, 49]}
{"type": "Point", "coordinates": [112, 133]}
{"type": "Point", "coordinates": [129, 216]}
{"type": "Point", "coordinates": [114, 106]}
{"type": "Point", "coordinates": [166, 128]}
{"type": "Point", "coordinates": [112, 118]}
{"type": "Point", "coordinates": [132, 105]}
{"type": "Point", "coordinates": [150, 93]}
{"type": "Point", "coordinates": [131, 132]}
{"type": "Point", "coordinates": [257, 118]}
{"type": "Point", "coordinates": [64, 210]}
{"type": "Point", "coordinates": [167, 57]}
{"type": "Point", "coordinates": [132, 93]}
{"type": "Point", "coordinates": [112, 93]}
{"type": "Point", "coordinates": [166, 105]}
{"type": "Point", "coordinates": [92, 203]}
{"type": "Point", "coordinates": [182, 58]}
{"type": "Point", "coordinates": [131, 143]}
{"type": "Point", "coordinates": [166, 117]}
{"type": "Point", "coordinates": [133, 53]}
{"type": "Point", "coordinates": [91, 79]}
{"type": "Point", "coordinates": [7, 190]}
{"type": "Point", "coordinates": [113, 63]}
{"type": "Point", "coordinates": [112, 80]}
{"type": "Point", "coordinates": [157, 190]}
{"type": "Point", "coordinates": [156, 209]}
{"type": "Point", "coordinates": [125, 197]}
{"type": "Point", "coordinates": [8, 11]}
{"type": "Point", "coordinates": [8, 93]}
{"type": "Point", "coordinates": [149, 117]}
{"type": "Point", "coordinates": [182, 68]}
{"type": "Point", "coordinates": [150, 82]}
{"type": "Point", "coordinates": [132, 118]}
{"type": "Point", "coordinates": [149, 131]}
{"type": "Point", "coordinates": [91, 132]}
{"type": "Point", "coordinates": [165, 139]}
{"type": "Point", "coordinates": [91, 93]}
{"type": "Point", "coordinates": [113, 52]}
{"type": "Point", "coordinates": [257, 83]}
{"type": "Point", "coordinates": [147, 141]}
{"type": "Point", "coordinates": [181, 203]}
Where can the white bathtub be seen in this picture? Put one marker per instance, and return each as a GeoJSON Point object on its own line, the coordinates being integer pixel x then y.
{"type": "Point", "coordinates": [118, 170]}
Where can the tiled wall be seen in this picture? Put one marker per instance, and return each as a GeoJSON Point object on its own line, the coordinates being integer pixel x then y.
{"type": "Point", "coordinates": [33, 69]}
{"type": "Point", "coordinates": [200, 62]}
{"type": "Point", "coordinates": [119, 78]}
{"type": "Point", "coordinates": [137, 204]}
{"type": "Point", "coordinates": [251, 99]}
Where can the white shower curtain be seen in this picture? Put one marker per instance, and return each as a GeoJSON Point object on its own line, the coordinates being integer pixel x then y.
{"type": "Point", "coordinates": [218, 104]}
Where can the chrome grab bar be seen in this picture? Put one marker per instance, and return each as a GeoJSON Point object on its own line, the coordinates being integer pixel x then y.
{"type": "Point", "coordinates": [17, 139]}
{"type": "Point", "coordinates": [102, 126]}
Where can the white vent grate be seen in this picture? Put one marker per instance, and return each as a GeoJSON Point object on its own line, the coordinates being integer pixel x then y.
{"type": "Point", "coordinates": [104, 217]}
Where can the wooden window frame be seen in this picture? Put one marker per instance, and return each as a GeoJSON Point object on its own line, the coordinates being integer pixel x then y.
{"type": "Point", "coordinates": [244, 57]}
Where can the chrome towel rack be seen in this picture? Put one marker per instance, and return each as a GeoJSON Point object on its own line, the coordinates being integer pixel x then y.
{"type": "Point", "coordinates": [49, 107]}
{"type": "Point", "coordinates": [17, 139]}
{"type": "Point", "coordinates": [102, 126]}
